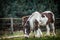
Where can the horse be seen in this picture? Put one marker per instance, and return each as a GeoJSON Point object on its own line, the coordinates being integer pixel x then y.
{"type": "Point", "coordinates": [41, 19]}
{"type": "Point", "coordinates": [24, 19]}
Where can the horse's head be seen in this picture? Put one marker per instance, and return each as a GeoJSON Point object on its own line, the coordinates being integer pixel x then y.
{"type": "Point", "coordinates": [24, 19]}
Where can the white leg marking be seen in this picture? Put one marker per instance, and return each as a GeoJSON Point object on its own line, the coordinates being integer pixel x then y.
{"type": "Point", "coordinates": [52, 24]}
{"type": "Point", "coordinates": [25, 30]}
{"type": "Point", "coordinates": [39, 33]}
{"type": "Point", "coordinates": [48, 30]}
{"type": "Point", "coordinates": [26, 35]}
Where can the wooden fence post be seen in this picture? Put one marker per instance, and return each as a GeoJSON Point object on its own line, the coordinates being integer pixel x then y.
{"type": "Point", "coordinates": [11, 25]}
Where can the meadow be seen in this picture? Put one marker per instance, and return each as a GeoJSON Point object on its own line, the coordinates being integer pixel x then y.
{"type": "Point", "coordinates": [57, 37]}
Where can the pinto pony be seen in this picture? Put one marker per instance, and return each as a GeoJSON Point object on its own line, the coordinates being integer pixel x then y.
{"type": "Point", "coordinates": [24, 19]}
{"type": "Point", "coordinates": [39, 19]}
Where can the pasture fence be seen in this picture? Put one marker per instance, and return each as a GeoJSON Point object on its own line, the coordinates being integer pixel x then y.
{"type": "Point", "coordinates": [14, 24]}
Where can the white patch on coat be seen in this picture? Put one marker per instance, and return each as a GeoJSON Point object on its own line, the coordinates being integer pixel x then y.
{"type": "Point", "coordinates": [35, 16]}
{"type": "Point", "coordinates": [43, 21]}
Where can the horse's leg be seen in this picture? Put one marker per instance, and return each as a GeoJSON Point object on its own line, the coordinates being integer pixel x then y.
{"type": "Point", "coordinates": [52, 24]}
{"type": "Point", "coordinates": [32, 27]}
{"type": "Point", "coordinates": [39, 32]}
{"type": "Point", "coordinates": [26, 34]}
{"type": "Point", "coordinates": [48, 30]}
{"type": "Point", "coordinates": [27, 30]}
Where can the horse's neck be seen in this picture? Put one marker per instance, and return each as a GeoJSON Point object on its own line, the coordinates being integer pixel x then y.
{"type": "Point", "coordinates": [34, 16]}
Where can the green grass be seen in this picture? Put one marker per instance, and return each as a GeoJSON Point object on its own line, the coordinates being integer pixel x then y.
{"type": "Point", "coordinates": [14, 34]}
{"type": "Point", "coordinates": [41, 38]}
{"type": "Point", "coordinates": [57, 37]}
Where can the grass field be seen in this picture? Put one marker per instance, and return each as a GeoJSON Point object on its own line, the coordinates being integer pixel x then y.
{"type": "Point", "coordinates": [57, 37]}
{"type": "Point", "coordinates": [42, 38]}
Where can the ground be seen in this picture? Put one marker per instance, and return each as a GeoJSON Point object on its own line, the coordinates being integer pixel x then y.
{"type": "Point", "coordinates": [18, 36]}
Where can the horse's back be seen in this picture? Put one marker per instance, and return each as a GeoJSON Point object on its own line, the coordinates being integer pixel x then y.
{"type": "Point", "coordinates": [49, 15]}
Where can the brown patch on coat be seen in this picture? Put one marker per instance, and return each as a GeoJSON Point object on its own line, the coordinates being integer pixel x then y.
{"type": "Point", "coordinates": [36, 25]}
{"type": "Point", "coordinates": [24, 19]}
{"type": "Point", "coordinates": [49, 16]}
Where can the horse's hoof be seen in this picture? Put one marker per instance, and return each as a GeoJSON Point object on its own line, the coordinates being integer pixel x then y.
{"type": "Point", "coordinates": [54, 35]}
{"type": "Point", "coordinates": [41, 35]}
{"type": "Point", "coordinates": [37, 36]}
{"type": "Point", "coordinates": [26, 36]}
{"type": "Point", "coordinates": [33, 36]}
{"type": "Point", "coordinates": [47, 35]}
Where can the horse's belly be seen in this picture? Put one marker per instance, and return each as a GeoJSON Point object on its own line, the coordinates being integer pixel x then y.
{"type": "Point", "coordinates": [43, 24]}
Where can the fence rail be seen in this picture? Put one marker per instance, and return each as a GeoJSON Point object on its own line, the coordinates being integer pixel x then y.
{"type": "Point", "coordinates": [10, 18]}
{"type": "Point", "coordinates": [18, 18]}
{"type": "Point", "coordinates": [12, 23]}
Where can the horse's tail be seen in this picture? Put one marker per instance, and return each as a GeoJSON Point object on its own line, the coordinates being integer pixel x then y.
{"type": "Point", "coordinates": [53, 17]}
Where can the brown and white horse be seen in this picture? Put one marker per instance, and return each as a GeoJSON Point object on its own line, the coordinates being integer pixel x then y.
{"type": "Point", "coordinates": [24, 20]}
{"type": "Point", "coordinates": [39, 19]}
{"type": "Point", "coordinates": [26, 25]}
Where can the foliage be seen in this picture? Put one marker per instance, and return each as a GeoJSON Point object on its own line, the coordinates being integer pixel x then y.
{"type": "Point", "coordinates": [19, 8]}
